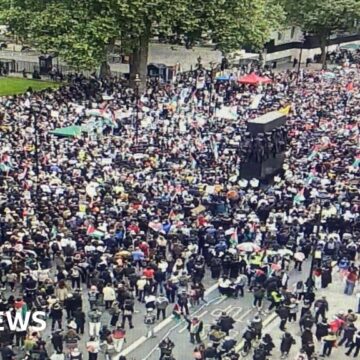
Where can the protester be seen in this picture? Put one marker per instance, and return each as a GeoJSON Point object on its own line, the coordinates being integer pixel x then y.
{"type": "Point", "coordinates": [131, 208]}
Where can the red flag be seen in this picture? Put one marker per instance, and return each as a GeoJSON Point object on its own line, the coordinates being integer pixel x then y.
{"type": "Point", "coordinates": [90, 229]}
{"type": "Point", "coordinates": [350, 86]}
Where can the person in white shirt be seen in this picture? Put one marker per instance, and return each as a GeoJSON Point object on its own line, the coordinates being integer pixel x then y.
{"type": "Point", "coordinates": [58, 355]}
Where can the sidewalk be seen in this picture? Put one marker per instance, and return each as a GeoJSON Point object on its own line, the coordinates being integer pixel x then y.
{"type": "Point", "coordinates": [337, 300]}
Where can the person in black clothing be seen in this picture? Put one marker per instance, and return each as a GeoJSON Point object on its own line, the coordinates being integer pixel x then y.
{"type": "Point", "coordinates": [322, 329]}
{"type": "Point", "coordinates": [259, 294]}
{"type": "Point", "coordinates": [69, 306]}
{"type": "Point", "coordinates": [210, 352]}
{"type": "Point", "coordinates": [355, 345]}
{"type": "Point", "coordinates": [57, 341]}
{"type": "Point", "coordinates": [283, 312]}
{"type": "Point", "coordinates": [79, 317]}
{"type": "Point", "coordinates": [183, 302]}
{"type": "Point", "coordinates": [268, 344]}
{"type": "Point", "coordinates": [287, 341]}
{"type": "Point", "coordinates": [249, 335]}
{"type": "Point", "coordinates": [226, 323]}
{"type": "Point", "coordinates": [56, 314]}
{"type": "Point", "coordinates": [7, 353]}
{"type": "Point", "coordinates": [321, 306]}
{"type": "Point", "coordinates": [307, 342]}
{"type": "Point", "coordinates": [260, 353]}
{"type": "Point", "coordinates": [348, 335]}
{"type": "Point", "coordinates": [166, 346]}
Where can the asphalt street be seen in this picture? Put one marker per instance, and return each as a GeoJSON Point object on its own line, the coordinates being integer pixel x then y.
{"type": "Point", "coordinates": [240, 309]}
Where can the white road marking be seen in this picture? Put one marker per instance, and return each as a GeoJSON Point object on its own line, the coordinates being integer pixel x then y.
{"type": "Point", "coordinates": [217, 312]}
{"type": "Point", "coordinates": [168, 320]}
{"type": "Point", "coordinates": [222, 299]}
{"type": "Point", "coordinates": [134, 345]}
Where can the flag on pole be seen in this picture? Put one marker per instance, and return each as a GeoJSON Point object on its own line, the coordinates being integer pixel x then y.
{"type": "Point", "coordinates": [53, 232]}
{"type": "Point", "coordinates": [309, 179]}
{"type": "Point", "coordinates": [22, 175]}
{"type": "Point", "coordinates": [313, 153]}
{"type": "Point", "coordinates": [214, 147]}
{"type": "Point", "coordinates": [299, 197]}
{"type": "Point", "coordinates": [350, 86]}
{"type": "Point", "coordinates": [90, 230]}
{"type": "Point", "coordinates": [234, 238]}
{"type": "Point", "coordinates": [97, 234]}
{"type": "Point", "coordinates": [356, 163]}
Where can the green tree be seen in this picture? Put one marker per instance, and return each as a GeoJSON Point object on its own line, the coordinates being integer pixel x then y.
{"type": "Point", "coordinates": [323, 18]}
{"type": "Point", "coordinates": [83, 31]}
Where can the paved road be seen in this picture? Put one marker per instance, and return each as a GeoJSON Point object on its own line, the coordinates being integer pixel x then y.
{"type": "Point", "coordinates": [240, 309]}
{"type": "Point", "coordinates": [337, 302]}
{"type": "Point", "coordinates": [132, 335]}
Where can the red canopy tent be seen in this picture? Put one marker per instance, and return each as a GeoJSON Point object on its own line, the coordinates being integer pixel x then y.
{"type": "Point", "coordinates": [253, 79]}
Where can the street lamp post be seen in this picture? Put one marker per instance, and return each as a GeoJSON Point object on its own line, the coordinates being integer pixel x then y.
{"type": "Point", "coordinates": [322, 196]}
{"type": "Point", "coordinates": [211, 83]}
{"type": "Point", "coordinates": [199, 62]}
{"type": "Point", "coordinates": [302, 40]}
{"type": "Point", "coordinates": [137, 84]}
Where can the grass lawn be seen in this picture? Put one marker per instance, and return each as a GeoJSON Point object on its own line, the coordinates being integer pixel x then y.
{"type": "Point", "coordinates": [14, 86]}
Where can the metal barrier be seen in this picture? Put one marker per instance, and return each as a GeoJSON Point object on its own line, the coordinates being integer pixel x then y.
{"type": "Point", "coordinates": [18, 66]}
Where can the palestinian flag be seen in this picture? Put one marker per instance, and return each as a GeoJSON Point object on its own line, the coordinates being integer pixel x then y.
{"type": "Point", "coordinates": [234, 241]}
{"type": "Point", "coordinates": [299, 197]}
{"type": "Point", "coordinates": [233, 236]}
{"type": "Point", "coordinates": [90, 230]}
{"type": "Point", "coordinates": [314, 152]}
{"type": "Point", "coordinates": [53, 232]}
{"type": "Point", "coordinates": [356, 163]}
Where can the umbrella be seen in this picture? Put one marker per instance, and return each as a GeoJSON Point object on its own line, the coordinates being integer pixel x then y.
{"type": "Point", "coordinates": [284, 252]}
{"type": "Point", "coordinates": [248, 247]}
{"type": "Point", "coordinates": [253, 79]}
{"type": "Point", "coordinates": [299, 256]}
{"type": "Point", "coordinates": [69, 131]}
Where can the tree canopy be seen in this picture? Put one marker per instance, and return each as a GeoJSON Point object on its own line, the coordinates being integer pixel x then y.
{"type": "Point", "coordinates": [83, 31]}
{"type": "Point", "coordinates": [323, 17]}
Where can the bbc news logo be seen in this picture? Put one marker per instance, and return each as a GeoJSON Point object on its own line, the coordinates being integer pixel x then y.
{"type": "Point", "coordinates": [20, 321]}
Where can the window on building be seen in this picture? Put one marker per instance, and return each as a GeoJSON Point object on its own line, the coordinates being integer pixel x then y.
{"type": "Point", "coordinates": [279, 36]}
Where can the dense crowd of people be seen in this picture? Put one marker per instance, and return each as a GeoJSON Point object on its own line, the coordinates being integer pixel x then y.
{"type": "Point", "coordinates": [141, 206]}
